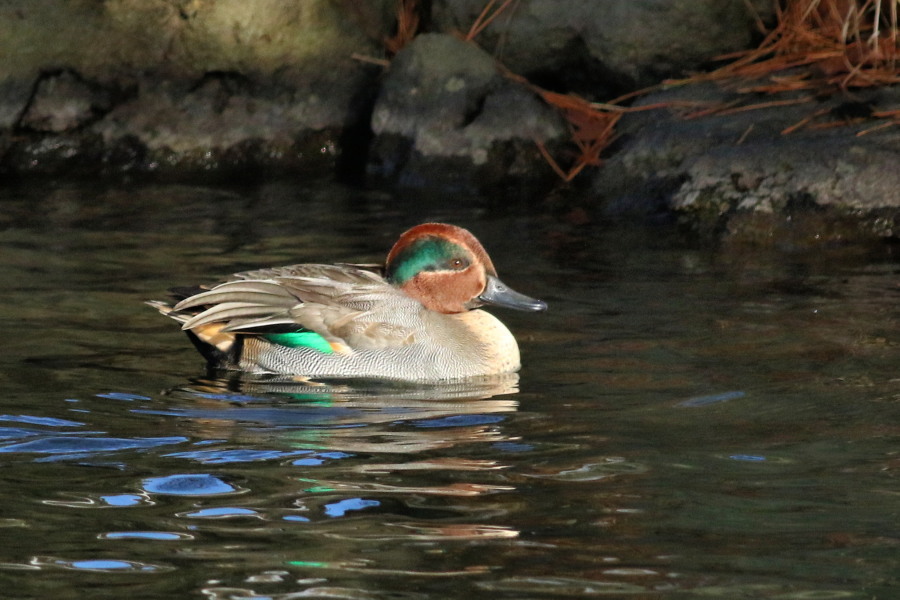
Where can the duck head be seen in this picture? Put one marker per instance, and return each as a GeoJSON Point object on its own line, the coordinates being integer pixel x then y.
{"type": "Point", "coordinates": [448, 271]}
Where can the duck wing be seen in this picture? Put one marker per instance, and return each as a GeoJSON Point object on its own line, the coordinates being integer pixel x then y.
{"type": "Point", "coordinates": [340, 272]}
{"type": "Point", "coordinates": [351, 306]}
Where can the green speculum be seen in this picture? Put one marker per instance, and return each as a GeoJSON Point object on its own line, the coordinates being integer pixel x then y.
{"type": "Point", "coordinates": [301, 339]}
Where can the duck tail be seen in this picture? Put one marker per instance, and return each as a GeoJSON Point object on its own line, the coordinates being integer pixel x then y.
{"type": "Point", "coordinates": [221, 349]}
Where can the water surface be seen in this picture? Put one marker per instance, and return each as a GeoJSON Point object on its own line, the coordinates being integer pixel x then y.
{"type": "Point", "coordinates": [690, 422]}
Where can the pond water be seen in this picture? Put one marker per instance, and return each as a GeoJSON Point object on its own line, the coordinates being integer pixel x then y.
{"type": "Point", "coordinates": [689, 422]}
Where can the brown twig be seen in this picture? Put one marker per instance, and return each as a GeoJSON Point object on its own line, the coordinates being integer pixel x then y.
{"type": "Point", "coordinates": [878, 127]}
{"type": "Point", "coordinates": [407, 26]}
{"type": "Point", "coordinates": [486, 17]}
{"type": "Point", "coordinates": [592, 130]}
{"type": "Point", "coordinates": [381, 62]}
{"type": "Point", "coordinates": [841, 42]}
{"type": "Point", "coordinates": [804, 121]}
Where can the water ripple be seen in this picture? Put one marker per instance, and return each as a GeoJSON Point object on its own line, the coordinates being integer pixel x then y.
{"type": "Point", "coordinates": [99, 565]}
{"type": "Point", "coordinates": [607, 467]}
{"type": "Point", "coordinates": [199, 484]}
{"type": "Point", "coordinates": [17, 433]}
{"type": "Point", "coordinates": [102, 501]}
{"type": "Point", "coordinates": [772, 591]}
{"type": "Point", "coordinates": [46, 421]}
{"type": "Point", "coordinates": [217, 457]}
{"type": "Point", "coordinates": [365, 566]}
{"type": "Point", "coordinates": [342, 507]}
{"type": "Point", "coordinates": [561, 586]}
{"type": "Point", "coordinates": [80, 446]}
{"type": "Point", "coordinates": [330, 592]}
{"type": "Point", "coordinates": [123, 396]}
{"type": "Point", "coordinates": [459, 421]}
{"type": "Point", "coordinates": [222, 512]}
{"type": "Point", "coordinates": [699, 401]}
{"type": "Point", "coordinates": [461, 489]}
{"type": "Point", "coordinates": [399, 532]}
{"type": "Point", "coordinates": [163, 536]}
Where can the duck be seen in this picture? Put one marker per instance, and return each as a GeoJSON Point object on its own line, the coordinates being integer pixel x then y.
{"type": "Point", "coordinates": [417, 317]}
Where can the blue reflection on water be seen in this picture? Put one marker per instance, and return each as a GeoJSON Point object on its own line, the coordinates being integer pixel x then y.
{"type": "Point", "coordinates": [296, 518]}
{"type": "Point", "coordinates": [85, 445]}
{"type": "Point", "coordinates": [146, 535]}
{"type": "Point", "coordinates": [221, 512]}
{"type": "Point", "coordinates": [15, 433]}
{"type": "Point", "coordinates": [200, 484]}
{"type": "Point", "coordinates": [106, 564]}
{"type": "Point", "coordinates": [47, 421]}
{"type": "Point", "coordinates": [123, 396]}
{"type": "Point", "coordinates": [747, 457]}
{"type": "Point", "coordinates": [459, 421]}
{"type": "Point", "coordinates": [215, 457]}
{"type": "Point", "coordinates": [320, 458]}
{"type": "Point", "coordinates": [336, 455]}
{"type": "Point", "coordinates": [123, 500]}
{"type": "Point", "coordinates": [513, 447]}
{"type": "Point", "coordinates": [342, 507]}
{"type": "Point", "coordinates": [101, 564]}
{"type": "Point", "coordinates": [711, 399]}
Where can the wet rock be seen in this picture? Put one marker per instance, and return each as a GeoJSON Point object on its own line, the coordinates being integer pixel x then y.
{"type": "Point", "coordinates": [225, 121]}
{"type": "Point", "coordinates": [445, 115]}
{"type": "Point", "coordinates": [63, 101]}
{"type": "Point", "coordinates": [52, 154]}
{"type": "Point", "coordinates": [605, 47]}
{"type": "Point", "coordinates": [752, 175]}
{"type": "Point", "coordinates": [224, 126]}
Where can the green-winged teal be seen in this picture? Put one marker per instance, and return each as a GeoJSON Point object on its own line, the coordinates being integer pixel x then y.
{"type": "Point", "coordinates": [417, 317]}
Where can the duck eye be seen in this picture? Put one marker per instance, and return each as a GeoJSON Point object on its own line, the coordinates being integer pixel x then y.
{"type": "Point", "coordinates": [458, 263]}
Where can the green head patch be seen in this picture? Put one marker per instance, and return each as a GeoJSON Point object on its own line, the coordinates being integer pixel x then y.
{"type": "Point", "coordinates": [426, 254]}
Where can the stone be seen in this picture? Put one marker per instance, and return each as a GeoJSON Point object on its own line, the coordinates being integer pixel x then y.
{"type": "Point", "coordinates": [445, 110]}
{"type": "Point", "coordinates": [267, 40]}
{"type": "Point", "coordinates": [63, 101]}
{"type": "Point", "coordinates": [174, 85]}
{"type": "Point", "coordinates": [604, 48]}
{"type": "Point", "coordinates": [749, 174]}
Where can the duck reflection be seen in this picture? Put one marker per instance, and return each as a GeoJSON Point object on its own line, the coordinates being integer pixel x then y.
{"type": "Point", "coordinates": [357, 460]}
{"type": "Point", "coordinates": [359, 416]}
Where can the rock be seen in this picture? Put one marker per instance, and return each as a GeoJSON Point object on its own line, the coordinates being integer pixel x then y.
{"type": "Point", "coordinates": [446, 115]}
{"type": "Point", "coordinates": [224, 125]}
{"type": "Point", "coordinates": [211, 86]}
{"type": "Point", "coordinates": [603, 48]}
{"type": "Point", "coordinates": [210, 124]}
{"type": "Point", "coordinates": [266, 40]}
{"type": "Point", "coordinates": [739, 175]}
{"type": "Point", "coordinates": [63, 101]}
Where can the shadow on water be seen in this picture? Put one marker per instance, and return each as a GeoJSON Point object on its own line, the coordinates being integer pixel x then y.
{"type": "Point", "coordinates": [689, 422]}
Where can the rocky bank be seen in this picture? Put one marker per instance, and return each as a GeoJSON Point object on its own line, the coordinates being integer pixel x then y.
{"type": "Point", "coordinates": [229, 89]}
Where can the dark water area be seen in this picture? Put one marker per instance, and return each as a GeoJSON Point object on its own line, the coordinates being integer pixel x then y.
{"type": "Point", "coordinates": [689, 422]}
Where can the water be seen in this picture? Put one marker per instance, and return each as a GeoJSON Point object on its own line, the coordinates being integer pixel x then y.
{"type": "Point", "coordinates": [689, 423]}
